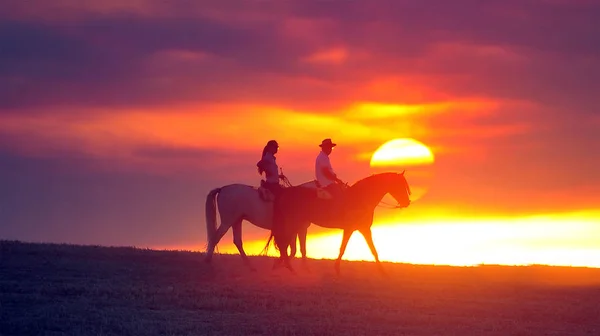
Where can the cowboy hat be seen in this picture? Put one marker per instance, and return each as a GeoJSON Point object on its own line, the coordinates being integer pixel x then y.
{"type": "Point", "coordinates": [327, 143]}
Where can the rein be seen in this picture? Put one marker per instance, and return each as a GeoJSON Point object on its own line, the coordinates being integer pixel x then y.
{"type": "Point", "coordinates": [287, 183]}
{"type": "Point", "coordinates": [388, 205]}
{"type": "Point", "coordinates": [285, 180]}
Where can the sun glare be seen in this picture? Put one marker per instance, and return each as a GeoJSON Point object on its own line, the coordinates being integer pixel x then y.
{"type": "Point", "coordinates": [402, 152]}
{"type": "Point", "coordinates": [558, 240]}
{"type": "Point", "coordinates": [408, 155]}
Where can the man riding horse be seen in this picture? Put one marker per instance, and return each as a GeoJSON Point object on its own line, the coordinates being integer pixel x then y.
{"type": "Point", "coordinates": [325, 175]}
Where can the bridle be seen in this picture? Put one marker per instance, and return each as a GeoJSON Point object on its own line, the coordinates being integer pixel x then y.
{"type": "Point", "coordinates": [388, 205]}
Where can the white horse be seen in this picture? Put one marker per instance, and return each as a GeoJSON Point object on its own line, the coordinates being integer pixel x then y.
{"type": "Point", "coordinates": [238, 202]}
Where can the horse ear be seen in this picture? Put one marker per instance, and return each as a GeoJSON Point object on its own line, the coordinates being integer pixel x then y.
{"type": "Point", "coordinates": [403, 172]}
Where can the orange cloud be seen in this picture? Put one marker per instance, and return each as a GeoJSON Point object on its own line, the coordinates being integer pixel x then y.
{"type": "Point", "coordinates": [330, 56]}
{"type": "Point", "coordinates": [472, 50]}
{"type": "Point", "coordinates": [361, 127]}
{"type": "Point", "coordinates": [204, 126]}
{"type": "Point", "coordinates": [375, 110]}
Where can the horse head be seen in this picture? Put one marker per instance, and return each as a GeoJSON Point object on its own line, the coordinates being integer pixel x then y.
{"type": "Point", "coordinates": [400, 190]}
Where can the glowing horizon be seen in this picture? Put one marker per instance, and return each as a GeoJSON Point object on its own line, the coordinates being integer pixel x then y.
{"type": "Point", "coordinates": [550, 239]}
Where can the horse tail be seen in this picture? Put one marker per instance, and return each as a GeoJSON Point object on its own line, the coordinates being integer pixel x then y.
{"type": "Point", "coordinates": [265, 250]}
{"type": "Point", "coordinates": [211, 215]}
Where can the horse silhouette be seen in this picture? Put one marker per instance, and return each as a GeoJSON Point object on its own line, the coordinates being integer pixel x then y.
{"type": "Point", "coordinates": [237, 202]}
{"type": "Point", "coordinates": [296, 206]}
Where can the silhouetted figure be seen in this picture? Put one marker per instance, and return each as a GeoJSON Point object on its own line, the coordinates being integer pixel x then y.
{"type": "Point", "coordinates": [268, 165]}
{"type": "Point", "coordinates": [295, 207]}
{"type": "Point", "coordinates": [325, 175]}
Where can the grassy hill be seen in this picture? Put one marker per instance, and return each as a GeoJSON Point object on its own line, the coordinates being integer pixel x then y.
{"type": "Point", "coordinates": [52, 289]}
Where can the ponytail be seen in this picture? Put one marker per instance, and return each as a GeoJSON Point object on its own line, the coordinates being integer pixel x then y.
{"type": "Point", "coordinates": [259, 164]}
{"type": "Point", "coordinates": [264, 152]}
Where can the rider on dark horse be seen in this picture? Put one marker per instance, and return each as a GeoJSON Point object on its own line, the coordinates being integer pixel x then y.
{"type": "Point", "coordinates": [324, 173]}
{"type": "Point", "coordinates": [268, 165]}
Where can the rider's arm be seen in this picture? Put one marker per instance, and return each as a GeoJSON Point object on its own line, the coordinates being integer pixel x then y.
{"type": "Point", "coordinates": [330, 174]}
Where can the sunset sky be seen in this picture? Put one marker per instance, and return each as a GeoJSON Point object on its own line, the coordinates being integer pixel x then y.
{"type": "Point", "coordinates": [117, 118]}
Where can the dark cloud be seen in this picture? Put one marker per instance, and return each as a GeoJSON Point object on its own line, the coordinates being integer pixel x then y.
{"type": "Point", "coordinates": [201, 159]}
{"type": "Point", "coordinates": [564, 27]}
{"type": "Point", "coordinates": [115, 60]}
{"type": "Point", "coordinates": [110, 58]}
{"type": "Point", "coordinates": [164, 152]}
{"type": "Point", "coordinates": [59, 200]}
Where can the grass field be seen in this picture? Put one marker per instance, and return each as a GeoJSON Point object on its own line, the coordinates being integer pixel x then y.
{"type": "Point", "coordinates": [49, 289]}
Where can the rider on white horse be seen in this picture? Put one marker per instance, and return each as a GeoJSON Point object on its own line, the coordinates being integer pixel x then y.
{"type": "Point", "coordinates": [268, 165]}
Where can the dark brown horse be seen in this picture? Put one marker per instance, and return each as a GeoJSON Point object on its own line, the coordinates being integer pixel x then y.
{"type": "Point", "coordinates": [297, 206]}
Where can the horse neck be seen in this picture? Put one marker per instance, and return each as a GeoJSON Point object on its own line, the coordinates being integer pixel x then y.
{"type": "Point", "coordinates": [371, 190]}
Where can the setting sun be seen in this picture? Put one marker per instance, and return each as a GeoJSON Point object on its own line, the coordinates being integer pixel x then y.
{"type": "Point", "coordinates": [402, 152]}
{"type": "Point", "coordinates": [408, 155]}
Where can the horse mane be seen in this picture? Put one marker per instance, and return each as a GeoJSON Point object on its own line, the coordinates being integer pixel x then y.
{"type": "Point", "coordinates": [360, 184]}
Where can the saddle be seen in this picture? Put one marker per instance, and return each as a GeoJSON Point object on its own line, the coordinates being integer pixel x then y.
{"type": "Point", "coordinates": [322, 193]}
{"type": "Point", "coordinates": [264, 193]}
{"type": "Point", "coordinates": [268, 196]}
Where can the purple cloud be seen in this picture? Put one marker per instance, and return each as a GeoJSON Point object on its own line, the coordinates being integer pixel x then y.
{"type": "Point", "coordinates": [106, 59]}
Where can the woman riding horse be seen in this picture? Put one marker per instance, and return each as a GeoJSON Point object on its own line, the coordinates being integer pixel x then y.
{"type": "Point", "coordinates": [268, 165]}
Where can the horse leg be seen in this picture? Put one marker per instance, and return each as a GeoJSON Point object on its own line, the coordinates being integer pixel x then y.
{"type": "Point", "coordinates": [227, 221]}
{"type": "Point", "coordinates": [278, 262]}
{"type": "Point", "coordinates": [302, 238]}
{"type": "Point", "coordinates": [283, 234]}
{"type": "Point", "coordinates": [293, 246]}
{"type": "Point", "coordinates": [221, 231]}
{"type": "Point", "coordinates": [366, 232]}
{"type": "Point", "coordinates": [345, 238]}
{"type": "Point", "coordinates": [286, 261]}
{"type": "Point", "coordinates": [237, 240]}
{"type": "Point", "coordinates": [283, 248]}
{"type": "Point", "coordinates": [283, 259]}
